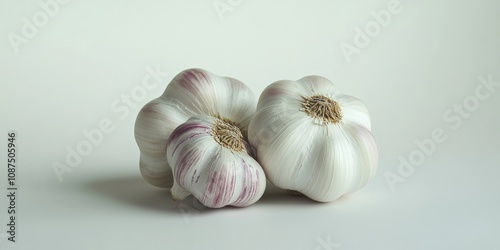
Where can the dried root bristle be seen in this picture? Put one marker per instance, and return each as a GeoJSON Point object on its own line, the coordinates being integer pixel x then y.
{"type": "Point", "coordinates": [227, 134]}
{"type": "Point", "coordinates": [322, 107]}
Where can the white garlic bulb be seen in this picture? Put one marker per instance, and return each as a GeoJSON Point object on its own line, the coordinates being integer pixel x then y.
{"type": "Point", "coordinates": [313, 139]}
{"type": "Point", "coordinates": [191, 92]}
{"type": "Point", "coordinates": [211, 160]}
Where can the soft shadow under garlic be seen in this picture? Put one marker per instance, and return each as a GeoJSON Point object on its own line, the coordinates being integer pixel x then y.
{"type": "Point", "coordinates": [278, 196]}
{"type": "Point", "coordinates": [134, 191]}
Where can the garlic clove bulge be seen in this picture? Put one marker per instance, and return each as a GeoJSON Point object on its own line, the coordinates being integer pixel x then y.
{"type": "Point", "coordinates": [211, 161]}
{"type": "Point", "coordinates": [191, 92]}
{"type": "Point", "coordinates": [311, 138]}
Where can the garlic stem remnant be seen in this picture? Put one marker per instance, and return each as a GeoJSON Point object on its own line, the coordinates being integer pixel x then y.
{"type": "Point", "coordinates": [322, 107]}
{"type": "Point", "coordinates": [228, 135]}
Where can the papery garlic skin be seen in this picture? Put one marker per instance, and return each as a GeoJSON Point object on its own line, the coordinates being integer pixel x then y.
{"type": "Point", "coordinates": [218, 171]}
{"type": "Point", "coordinates": [191, 92]}
{"type": "Point", "coordinates": [323, 156]}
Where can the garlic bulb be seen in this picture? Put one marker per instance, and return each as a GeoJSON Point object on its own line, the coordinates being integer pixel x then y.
{"type": "Point", "coordinates": [211, 160]}
{"type": "Point", "coordinates": [191, 92]}
{"type": "Point", "coordinates": [313, 139]}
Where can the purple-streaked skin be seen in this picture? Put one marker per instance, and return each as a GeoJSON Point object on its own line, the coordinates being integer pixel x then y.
{"type": "Point", "coordinates": [250, 185]}
{"type": "Point", "coordinates": [191, 92]}
{"type": "Point", "coordinates": [223, 182]}
{"type": "Point", "coordinates": [197, 76]}
{"type": "Point", "coordinates": [188, 127]}
{"type": "Point", "coordinates": [215, 175]}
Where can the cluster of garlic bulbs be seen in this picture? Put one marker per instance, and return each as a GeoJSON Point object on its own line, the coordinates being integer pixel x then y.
{"type": "Point", "coordinates": [192, 140]}
{"type": "Point", "coordinates": [191, 92]}
{"type": "Point", "coordinates": [304, 135]}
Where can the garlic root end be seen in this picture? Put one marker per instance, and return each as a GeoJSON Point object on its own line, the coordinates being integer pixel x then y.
{"type": "Point", "coordinates": [178, 193]}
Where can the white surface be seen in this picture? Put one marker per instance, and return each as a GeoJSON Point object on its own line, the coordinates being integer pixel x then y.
{"type": "Point", "coordinates": [429, 57]}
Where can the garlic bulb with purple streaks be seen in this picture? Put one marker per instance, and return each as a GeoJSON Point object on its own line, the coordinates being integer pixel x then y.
{"type": "Point", "coordinates": [211, 161]}
{"type": "Point", "coordinates": [191, 92]}
{"type": "Point", "coordinates": [311, 138]}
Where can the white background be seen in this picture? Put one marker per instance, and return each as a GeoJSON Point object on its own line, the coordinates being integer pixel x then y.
{"type": "Point", "coordinates": [66, 77]}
